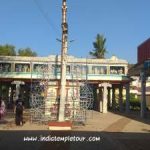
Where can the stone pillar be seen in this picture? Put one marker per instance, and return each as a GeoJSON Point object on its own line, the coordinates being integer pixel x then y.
{"type": "Point", "coordinates": [105, 94]}
{"type": "Point", "coordinates": [9, 95]}
{"type": "Point", "coordinates": [126, 70]}
{"type": "Point", "coordinates": [96, 103]}
{"type": "Point", "coordinates": [143, 94]}
{"type": "Point", "coordinates": [105, 100]}
{"type": "Point", "coordinates": [120, 99]}
{"type": "Point", "coordinates": [109, 99]}
{"type": "Point", "coordinates": [101, 100]}
{"type": "Point", "coordinates": [13, 67]}
{"type": "Point", "coordinates": [17, 83]}
{"type": "Point", "coordinates": [108, 69]}
{"type": "Point", "coordinates": [113, 98]}
{"type": "Point", "coordinates": [17, 90]}
{"type": "Point", "coordinates": [127, 97]}
{"type": "Point", "coordinates": [97, 100]}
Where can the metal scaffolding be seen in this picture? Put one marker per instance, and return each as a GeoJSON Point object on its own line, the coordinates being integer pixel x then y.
{"type": "Point", "coordinates": [38, 94]}
{"type": "Point", "coordinates": [77, 105]}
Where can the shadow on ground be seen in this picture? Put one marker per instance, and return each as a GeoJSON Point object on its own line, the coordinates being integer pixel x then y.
{"type": "Point", "coordinates": [135, 115]}
{"type": "Point", "coordinates": [73, 140]}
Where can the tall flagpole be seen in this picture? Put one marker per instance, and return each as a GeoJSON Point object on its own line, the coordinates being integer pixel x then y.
{"type": "Point", "coordinates": [64, 49]}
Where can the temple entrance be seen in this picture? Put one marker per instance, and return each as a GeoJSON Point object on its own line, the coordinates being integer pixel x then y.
{"type": "Point", "coordinates": [8, 93]}
{"type": "Point", "coordinates": [111, 97]}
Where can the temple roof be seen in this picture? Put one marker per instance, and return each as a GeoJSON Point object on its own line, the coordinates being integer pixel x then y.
{"type": "Point", "coordinates": [70, 59]}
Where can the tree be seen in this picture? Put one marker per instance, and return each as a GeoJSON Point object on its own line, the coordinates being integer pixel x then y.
{"type": "Point", "coordinates": [26, 52]}
{"type": "Point", "coordinates": [99, 47]}
{"type": "Point", "coordinates": [7, 50]}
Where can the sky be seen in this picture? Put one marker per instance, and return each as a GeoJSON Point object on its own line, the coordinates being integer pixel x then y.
{"type": "Point", "coordinates": [37, 24]}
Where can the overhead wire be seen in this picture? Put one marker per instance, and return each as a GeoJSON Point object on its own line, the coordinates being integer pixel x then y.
{"type": "Point", "coordinates": [45, 16]}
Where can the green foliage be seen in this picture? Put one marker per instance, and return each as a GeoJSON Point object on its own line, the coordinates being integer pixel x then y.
{"type": "Point", "coordinates": [7, 50]}
{"type": "Point", "coordinates": [26, 52]}
{"type": "Point", "coordinates": [134, 102]}
{"type": "Point", "coordinates": [10, 50]}
{"type": "Point", "coordinates": [99, 50]}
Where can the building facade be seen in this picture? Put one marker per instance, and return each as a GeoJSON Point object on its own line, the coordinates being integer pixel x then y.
{"type": "Point", "coordinates": [18, 75]}
{"type": "Point", "coordinates": [143, 51]}
{"type": "Point", "coordinates": [141, 73]}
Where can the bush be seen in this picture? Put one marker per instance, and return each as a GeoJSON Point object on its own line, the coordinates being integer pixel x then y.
{"type": "Point", "coordinates": [134, 102]}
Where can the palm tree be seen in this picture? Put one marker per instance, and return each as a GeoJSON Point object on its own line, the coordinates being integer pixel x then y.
{"type": "Point", "coordinates": [99, 47]}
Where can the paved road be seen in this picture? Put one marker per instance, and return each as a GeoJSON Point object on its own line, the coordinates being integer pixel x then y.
{"type": "Point", "coordinates": [111, 132]}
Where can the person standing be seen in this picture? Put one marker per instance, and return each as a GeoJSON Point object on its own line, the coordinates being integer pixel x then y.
{"type": "Point", "coordinates": [19, 107]}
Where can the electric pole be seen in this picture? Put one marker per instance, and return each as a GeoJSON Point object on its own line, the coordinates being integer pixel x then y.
{"type": "Point", "coordinates": [64, 49]}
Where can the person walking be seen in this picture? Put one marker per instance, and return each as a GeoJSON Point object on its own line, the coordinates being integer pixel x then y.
{"type": "Point", "coordinates": [19, 107]}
